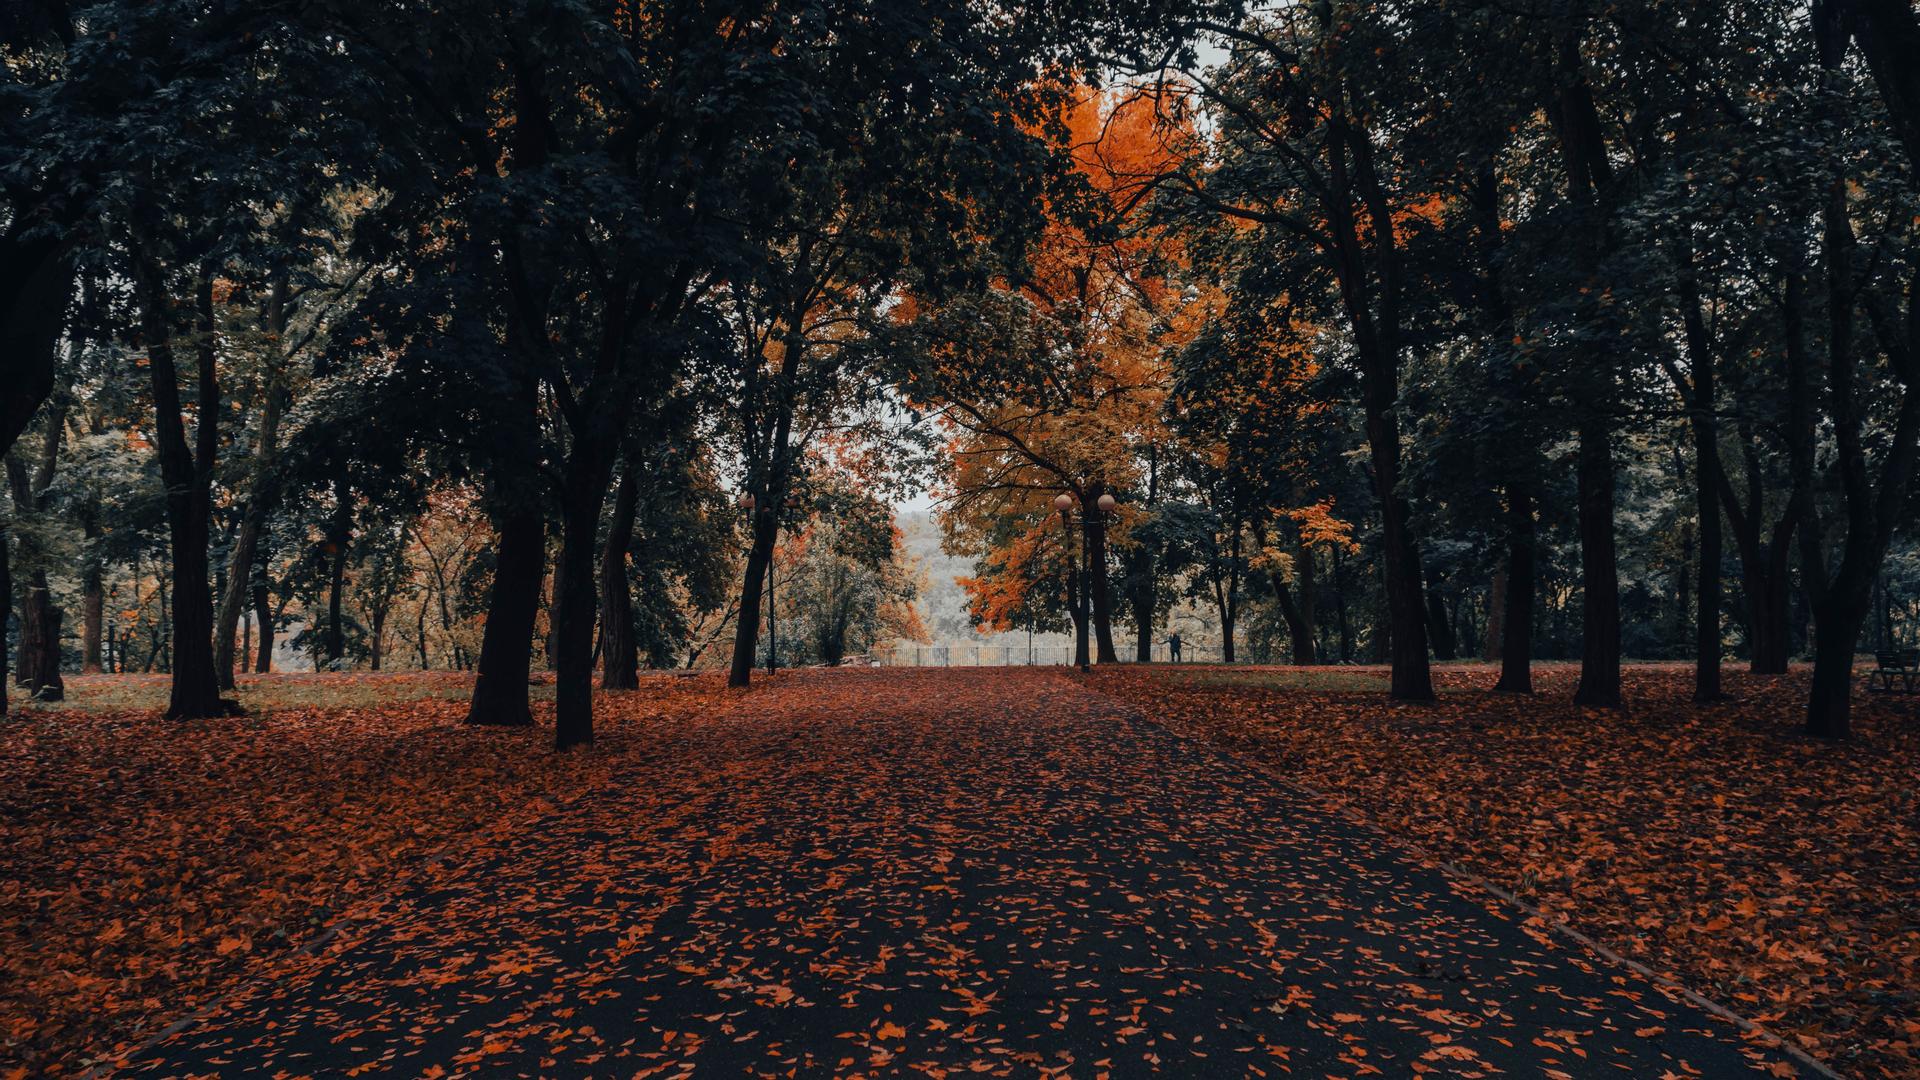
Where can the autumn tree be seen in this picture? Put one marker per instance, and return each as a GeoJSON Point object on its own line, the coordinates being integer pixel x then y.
{"type": "Point", "coordinates": [848, 585]}
{"type": "Point", "coordinates": [1053, 381]}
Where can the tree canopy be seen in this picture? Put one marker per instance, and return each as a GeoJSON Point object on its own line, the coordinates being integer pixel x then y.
{"type": "Point", "coordinates": [490, 334]}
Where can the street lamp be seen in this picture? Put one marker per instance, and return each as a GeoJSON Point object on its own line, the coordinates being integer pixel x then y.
{"type": "Point", "coordinates": [1082, 582]}
{"type": "Point", "coordinates": [1076, 605]}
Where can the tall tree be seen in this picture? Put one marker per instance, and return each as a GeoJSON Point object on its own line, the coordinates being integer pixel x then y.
{"type": "Point", "coordinates": [1306, 143]}
{"type": "Point", "coordinates": [1872, 493]}
{"type": "Point", "coordinates": [182, 219]}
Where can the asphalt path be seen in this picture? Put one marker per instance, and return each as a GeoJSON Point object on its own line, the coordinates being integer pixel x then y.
{"type": "Point", "coordinates": [947, 873]}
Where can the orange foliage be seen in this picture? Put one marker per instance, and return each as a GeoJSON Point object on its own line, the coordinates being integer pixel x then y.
{"type": "Point", "coordinates": [1108, 307]}
{"type": "Point", "coordinates": [1000, 598]}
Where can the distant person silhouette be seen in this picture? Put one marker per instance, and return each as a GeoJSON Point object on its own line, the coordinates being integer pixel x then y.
{"type": "Point", "coordinates": [1173, 645]}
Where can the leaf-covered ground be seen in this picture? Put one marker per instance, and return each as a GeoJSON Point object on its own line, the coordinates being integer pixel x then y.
{"type": "Point", "coordinates": [845, 872]}
{"type": "Point", "coordinates": [1776, 874]}
{"type": "Point", "coordinates": [144, 866]}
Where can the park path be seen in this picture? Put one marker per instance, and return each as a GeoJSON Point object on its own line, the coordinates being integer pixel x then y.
{"type": "Point", "coordinates": [942, 873]}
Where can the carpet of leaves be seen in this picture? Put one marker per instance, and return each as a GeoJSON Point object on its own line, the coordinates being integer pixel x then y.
{"type": "Point", "coordinates": [1777, 874]}
{"type": "Point", "coordinates": [942, 873]}
{"type": "Point", "coordinates": [144, 865]}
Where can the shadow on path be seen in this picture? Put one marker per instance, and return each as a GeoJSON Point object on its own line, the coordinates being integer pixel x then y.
{"type": "Point", "coordinates": [948, 873]}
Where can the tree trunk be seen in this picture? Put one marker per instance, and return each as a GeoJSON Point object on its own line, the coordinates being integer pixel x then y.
{"type": "Point", "coordinates": [1226, 593]}
{"type": "Point", "coordinates": [1306, 650]}
{"type": "Point", "coordinates": [93, 603]}
{"type": "Point", "coordinates": [1599, 569]}
{"type": "Point", "coordinates": [1496, 615]}
{"type": "Point", "coordinates": [420, 636]}
{"type": "Point", "coordinates": [1516, 618]}
{"type": "Point", "coordinates": [1769, 626]}
{"type": "Point", "coordinates": [30, 661]}
{"type": "Point", "coordinates": [621, 660]}
{"type": "Point", "coordinates": [773, 610]}
{"type": "Point", "coordinates": [93, 595]}
{"type": "Point", "coordinates": [1707, 484]}
{"type": "Point", "coordinates": [339, 540]}
{"type": "Point", "coordinates": [254, 516]}
{"type": "Point", "coordinates": [1872, 505]}
{"type": "Point", "coordinates": [1839, 603]}
{"type": "Point", "coordinates": [1439, 625]}
{"type": "Point", "coordinates": [376, 636]}
{"type": "Point", "coordinates": [1076, 591]}
{"type": "Point", "coordinates": [1143, 613]}
{"type": "Point", "coordinates": [6, 612]}
{"type": "Point", "coordinates": [1298, 616]}
{"type": "Point", "coordinates": [552, 643]}
{"type": "Point", "coordinates": [520, 562]}
{"type": "Point", "coordinates": [1837, 621]}
{"type": "Point", "coordinates": [746, 631]}
{"type": "Point", "coordinates": [39, 672]}
{"type": "Point", "coordinates": [1765, 574]}
{"type": "Point", "coordinates": [1144, 605]}
{"type": "Point", "coordinates": [1370, 276]}
{"type": "Point", "coordinates": [506, 643]}
{"type": "Point", "coordinates": [39, 664]}
{"type": "Point", "coordinates": [1581, 135]}
{"type": "Point", "coordinates": [187, 472]}
{"type": "Point", "coordinates": [1683, 582]}
{"type": "Point", "coordinates": [1412, 678]}
{"type": "Point", "coordinates": [263, 619]}
{"type": "Point", "coordinates": [1510, 599]}
{"type": "Point", "coordinates": [233, 598]}
{"type": "Point", "coordinates": [1299, 632]}
{"type": "Point", "coordinates": [1343, 624]}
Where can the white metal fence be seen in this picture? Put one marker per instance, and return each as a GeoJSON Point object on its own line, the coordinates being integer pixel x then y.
{"type": "Point", "coordinates": [1020, 655]}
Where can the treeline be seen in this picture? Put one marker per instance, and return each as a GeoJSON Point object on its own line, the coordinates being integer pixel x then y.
{"type": "Point", "coordinates": [521, 317]}
{"type": "Point", "coordinates": [1417, 329]}
{"type": "Point", "coordinates": [564, 327]}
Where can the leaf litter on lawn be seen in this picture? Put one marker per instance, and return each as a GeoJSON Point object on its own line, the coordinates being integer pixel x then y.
{"type": "Point", "coordinates": [1775, 873]}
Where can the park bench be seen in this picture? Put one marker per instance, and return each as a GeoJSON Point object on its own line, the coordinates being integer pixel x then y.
{"type": "Point", "coordinates": [1901, 664]}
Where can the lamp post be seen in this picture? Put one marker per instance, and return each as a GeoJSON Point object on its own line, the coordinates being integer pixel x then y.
{"type": "Point", "coordinates": [1081, 601]}
{"type": "Point", "coordinates": [1076, 591]}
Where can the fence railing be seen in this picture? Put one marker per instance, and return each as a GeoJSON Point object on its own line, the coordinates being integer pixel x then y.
{"type": "Point", "coordinates": [1017, 655]}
